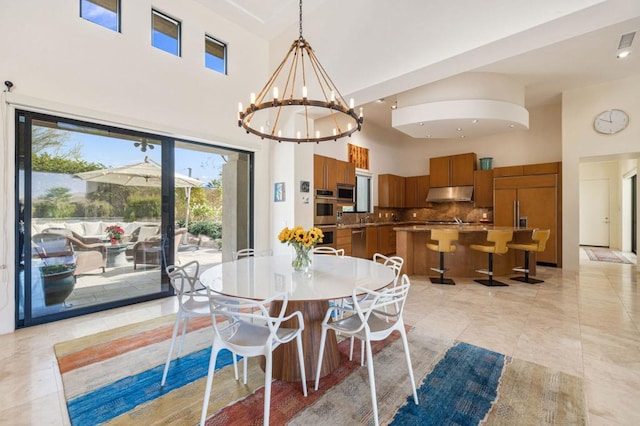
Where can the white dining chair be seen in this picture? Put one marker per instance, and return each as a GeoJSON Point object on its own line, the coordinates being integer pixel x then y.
{"type": "Point", "coordinates": [249, 252]}
{"type": "Point", "coordinates": [234, 329]}
{"type": "Point", "coordinates": [393, 262]}
{"type": "Point", "coordinates": [381, 317]}
{"type": "Point", "coordinates": [192, 303]}
{"type": "Point", "coordinates": [328, 250]}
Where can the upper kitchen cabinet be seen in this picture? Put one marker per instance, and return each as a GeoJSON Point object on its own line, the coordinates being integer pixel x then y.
{"type": "Point", "coordinates": [483, 188]}
{"type": "Point", "coordinates": [416, 190]}
{"type": "Point", "coordinates": [345, 172]}
{"type": "Point", "coordinates": [391, 191]}
{"type": "Point", "coordinates": [328, 172]}
{"type": "Point", "coordinates": [453, 170]}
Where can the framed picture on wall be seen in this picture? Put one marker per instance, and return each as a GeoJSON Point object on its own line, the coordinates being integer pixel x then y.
{"type": "Point", "coordinates": [278, 192]}
{"type": "Point", "coordinates": [304, 186]}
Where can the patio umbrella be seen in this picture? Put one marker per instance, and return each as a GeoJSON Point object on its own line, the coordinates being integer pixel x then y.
{"type": "Point", "coordinates": [147, 173]}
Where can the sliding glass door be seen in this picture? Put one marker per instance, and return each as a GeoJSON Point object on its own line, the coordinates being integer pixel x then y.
{"type": "Point", "coordinates": [103, 210]}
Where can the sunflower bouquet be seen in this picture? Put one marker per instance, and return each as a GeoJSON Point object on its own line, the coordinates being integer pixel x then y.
{"type": "Point", "coordinates": [302, 241]}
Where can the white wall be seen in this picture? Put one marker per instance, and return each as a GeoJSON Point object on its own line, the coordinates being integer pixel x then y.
{"type": "Point", "coordinates": [580, 142]}
{"type": "Point", "coordinates": [62, 64]}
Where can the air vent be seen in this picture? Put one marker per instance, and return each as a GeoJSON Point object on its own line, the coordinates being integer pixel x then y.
{"type": "Point", "coordinates": [626, 40]}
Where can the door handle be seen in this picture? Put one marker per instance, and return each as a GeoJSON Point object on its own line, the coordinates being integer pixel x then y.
{"type": "Point", "coordinates": [515, 214]}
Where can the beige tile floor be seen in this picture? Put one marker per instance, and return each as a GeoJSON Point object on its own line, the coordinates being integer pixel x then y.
{"type": "Point", "coordinates": [585, 323]}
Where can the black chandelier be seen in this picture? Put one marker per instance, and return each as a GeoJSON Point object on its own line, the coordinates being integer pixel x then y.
{"type": "Point", "coordinates": [265, 117]}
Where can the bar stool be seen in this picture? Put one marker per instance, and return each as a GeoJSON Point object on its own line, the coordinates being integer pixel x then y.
{"type": "Point", "coordinates": [444, 237]}
{"type": "Point", "coordinates": [540, 237]}
{"type": "Point", "coordinates": [499, 238]}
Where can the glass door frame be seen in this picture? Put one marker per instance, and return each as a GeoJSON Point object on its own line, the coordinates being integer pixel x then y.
{"type": "Point", "coordinates": [167, 218]}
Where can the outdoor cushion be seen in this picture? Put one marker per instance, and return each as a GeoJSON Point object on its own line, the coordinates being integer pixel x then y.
{"type": "Point", "coordinates": [93, 228]}
{"type": "Point", "coordinates": [76, 227]}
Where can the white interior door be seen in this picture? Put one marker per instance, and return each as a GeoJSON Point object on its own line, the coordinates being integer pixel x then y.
{"type": "Point", "coordinates": [594, 212]}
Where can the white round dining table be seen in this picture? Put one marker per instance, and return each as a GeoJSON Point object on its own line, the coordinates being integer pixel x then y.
{"type": "Point", "coordinates": [328, 278]}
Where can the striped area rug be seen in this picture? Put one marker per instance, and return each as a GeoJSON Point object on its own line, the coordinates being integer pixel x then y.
{"type": "Point", "coordinates": [114, 378]}
{"type": "Point", "coordinates": [599, 254]}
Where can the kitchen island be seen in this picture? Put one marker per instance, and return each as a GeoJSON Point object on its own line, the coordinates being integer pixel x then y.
{"type": "Point", "coordinates": [411, 245]}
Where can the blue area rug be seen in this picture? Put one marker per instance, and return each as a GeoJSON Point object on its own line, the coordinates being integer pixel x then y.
{"type": "Point", "coordinates": [459, 391]}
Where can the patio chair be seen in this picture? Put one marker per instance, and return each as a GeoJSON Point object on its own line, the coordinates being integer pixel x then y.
{"type": "Point", "coordinates": [377, 321]}
{"type": "Point", "coordinates": [142, 233]}
{"type": "Point", "coordinates": [89, 257]}
{"type": "Point", "coordinates": [150, 251]}
{"type": "Point", "coordinates": [234, 330]}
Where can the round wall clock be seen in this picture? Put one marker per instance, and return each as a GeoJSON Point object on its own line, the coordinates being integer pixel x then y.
{"type": "Point", "coordinates": [611, 121]}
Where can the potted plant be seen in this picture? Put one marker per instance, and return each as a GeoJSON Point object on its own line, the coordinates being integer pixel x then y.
{"type": "Point", "coordinates": [115, 233]}
{"type": "Point", "coordinates": [58, 282]}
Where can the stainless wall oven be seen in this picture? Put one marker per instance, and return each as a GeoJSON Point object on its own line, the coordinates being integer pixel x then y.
{"type": "Point", "coordinates": [325, 208]}
{"type": "Point", "coordinates": [329, 239]}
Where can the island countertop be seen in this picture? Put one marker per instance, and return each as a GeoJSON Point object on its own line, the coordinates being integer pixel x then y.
{"type": "Point", "coordinates": [411, 244]}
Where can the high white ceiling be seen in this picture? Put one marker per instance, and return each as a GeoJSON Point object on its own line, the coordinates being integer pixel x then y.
{"type": "Point", "coordinates": [550, 48]}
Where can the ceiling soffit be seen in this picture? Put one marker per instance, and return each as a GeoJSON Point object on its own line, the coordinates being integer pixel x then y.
{"type": "Point", "coordinates": [466, 105]}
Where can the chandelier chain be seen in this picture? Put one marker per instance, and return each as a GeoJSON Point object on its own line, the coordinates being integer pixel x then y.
{"type": "Point", "coordinates": [301, 20]}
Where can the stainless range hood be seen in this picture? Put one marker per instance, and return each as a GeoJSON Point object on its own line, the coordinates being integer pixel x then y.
{"type": "Point", "coordinates": [450, 193]}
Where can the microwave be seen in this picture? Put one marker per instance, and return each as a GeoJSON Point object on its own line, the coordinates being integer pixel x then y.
{"type": "Point", "coordinates": [346, 193]}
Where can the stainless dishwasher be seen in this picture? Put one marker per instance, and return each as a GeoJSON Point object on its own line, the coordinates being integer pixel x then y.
{"type": "Point", "coordinates": [359, 242]}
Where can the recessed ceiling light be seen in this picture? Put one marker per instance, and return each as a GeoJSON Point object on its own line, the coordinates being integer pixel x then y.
{"type": "Point", "coordinates": [623, 54]}
{"type": "Point", "coordinates": [381, 100]}
{"type": "Point", "coordinates": [420, 124]}
{"type": "Point", "coordinates": [462, 137]}
{"type": "Point", "coordinates": [428, 136]}
{"type": "Point", "coordinates": [474, 121]}
{"type": "Point", "coordinates": [394, 106]}
{"type": "Point", "coordinates": [512, 125]}
{"type": "Point", "coordinates": [459, 129]}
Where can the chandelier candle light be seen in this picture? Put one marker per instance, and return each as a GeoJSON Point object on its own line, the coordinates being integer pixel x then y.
{"type": "Point", "coordinates": [265, 117]}
{"type": "Point", "coordinates": [302, 241]}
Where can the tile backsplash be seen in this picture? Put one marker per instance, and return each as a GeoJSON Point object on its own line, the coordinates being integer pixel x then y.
{"type": "Point", "coordinates": [438, 212]}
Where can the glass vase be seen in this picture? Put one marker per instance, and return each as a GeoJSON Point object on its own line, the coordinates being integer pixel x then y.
{"type": "Point", "coordinates": [301, 259]}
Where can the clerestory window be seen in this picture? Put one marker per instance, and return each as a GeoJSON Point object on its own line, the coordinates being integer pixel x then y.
{"type": "Point", "coordinates": [215, 54]}
{"type": "Point", "coordinates": [165, 33]}
{"type": "Point", "coordinates": [102, 12]}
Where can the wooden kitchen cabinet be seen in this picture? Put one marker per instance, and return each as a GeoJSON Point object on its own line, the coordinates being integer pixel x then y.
{"type": "Point", "coordinates": [386, 240]}
{"type": "Point", "coordinates": [535, 198]}
{"type": "Point", "coordinates": [416, 190]}
{"type": "Point", "coordinates": [391, 191]}
{"type": "Point", "coordinates": [345, 172]}
{"type": "Point", "coordinates": [483, 188]}
{"type": "Point", "coordinates": [372, 241]}
{"type": "Point", "coordinates": [343, 241]}
{"type": "Point", "coordinates": [329, 172]}
{"type": "Point", "coordinates": [527, 169]}
{"type": "Point", "coordinates": [453, 170]}
{"type": "Point", "coordinates": [324, 172]}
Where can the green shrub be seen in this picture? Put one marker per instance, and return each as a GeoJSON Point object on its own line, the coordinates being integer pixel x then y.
{"type": "Point", "coordinates": [142, 207]}
{"type": "Point", "coordinates": [208, 228]}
